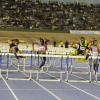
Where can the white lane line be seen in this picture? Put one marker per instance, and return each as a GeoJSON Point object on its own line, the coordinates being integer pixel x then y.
{"type": "Point", "coordinates": [78, 77]}
{"type": "Point", "coordinates": [75, 87]}
{"type": "Point", "coordinates": [97, 98]}
{"type": "Point", "coordinates": [58, 98]}
{"type": "Point", "coordinates": [84, 79]}
{"type": "Point", "coordinates": [44, 88]}
{"type": "Point", "coordinates": [14, 95]}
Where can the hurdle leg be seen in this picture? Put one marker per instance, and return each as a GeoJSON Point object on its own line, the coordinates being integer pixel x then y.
{"type": "Point", "coordinates": [38, 60]}
{"type": "Point", "coordinates": [11, 62]}
{"type": "Point", "coordinates": [37, 76]}
{"type": "Point", "coordinates": [71, 67]}
{"type": "Point", "coordinates": [54, 63]}
{"type": "Point", "coordinates": [67, 68]}
{"type": "Point", "coordinates": [61, 62]}
{"type": "Point", "coordinates": [96, 77]}
{"type": "Point", "coordinates": [24, 59]}
{"type": "Point", "coordinates": [7, 66]}
{"type": "Point", "coordinates": [90, 73]}
{"type": "Point", "coordinates": [66, 73]}
{"type": "Point", "coordinates": [90, 69]}
{"type": "Point", "coordinates": [0, 73]}
{"type": "Point", "coordinates": [0, 65]}
{"type": "Point", "coordinates": [18, 66]}
{"type": "Point", "coordinates": [67, 76]}
{"type": "Point", "coordinates": [7, 74]}
{"type": "Point", "coordinates": [90, 76]}
{"type": "Point", "coordinates": [60, 76]}
{"type": "Point", "coordinates": [30, 76]}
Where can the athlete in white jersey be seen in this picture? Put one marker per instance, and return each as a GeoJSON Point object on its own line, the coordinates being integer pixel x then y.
{"type": "Point", "coordinates": [42, 50]}
{"type": "Point", "coordinates": [95, 52]}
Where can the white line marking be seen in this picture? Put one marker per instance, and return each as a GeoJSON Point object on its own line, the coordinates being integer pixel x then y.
{"type": "Point", "coordinates": [78, 76]}
{"type": "Point", "coordinates": [75, 87]}
{"type": "Point", "coordinates": [16, 98]}
{"type": "Point", "coordinates": [58, 98]}
{"type": "Point", "coordinates": [84, 79]}
{"type": "Point", "coordinates": [44, 88]}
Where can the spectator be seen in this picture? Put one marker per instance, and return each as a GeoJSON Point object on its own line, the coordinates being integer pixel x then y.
{"type": "Point", "coordinates": [54, 43]}
{"type": "Point", "coordinates": [61, 44]}
{"type": "Point", "coordinates": [30, 14]}
{"type": "Point", "coordinates": [66, 44]}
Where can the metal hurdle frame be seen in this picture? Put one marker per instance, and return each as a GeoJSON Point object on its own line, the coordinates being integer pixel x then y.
{"type": "Point", "coordinates": [29, 71]}
{"type": "Point", "coordinates": [97, 73]}
{"type": "Point", "coordinates": [7, 65]}
{"type": "Point", "coordinates": [0, 65]}
{"type": "Point", "coordinates": [47, 71]}
{"type": "Point", "coordinates": [70, 69]}
{"type": "Point", "coordinates": [38, 72]}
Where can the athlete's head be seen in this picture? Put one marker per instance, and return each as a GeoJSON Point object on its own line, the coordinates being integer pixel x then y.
{"type": "Point", "coordinates": [42, 41]}
{"type": "Point", "coordinates": [95, 42]}
{"type": "Point", "coordinates": [16, 41]}
{"type": "Point", "coordinates": [82, 39]}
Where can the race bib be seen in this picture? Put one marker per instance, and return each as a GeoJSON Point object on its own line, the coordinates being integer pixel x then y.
{"type": "Point", "coordinates": [82, 48]}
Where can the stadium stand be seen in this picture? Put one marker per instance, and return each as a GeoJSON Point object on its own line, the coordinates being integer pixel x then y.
{"type": "Point", "coordinates": [30, 14]}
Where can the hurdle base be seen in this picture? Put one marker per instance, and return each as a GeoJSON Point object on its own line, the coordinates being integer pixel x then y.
{"type": "Point", "coordinates": [66, 80]}
{"type": "Point", "coordinates": [17, 79]}
{"type": "Point", "coordinates": [49, 80]}
{"type": "Point", "coordinates": [75, 81]}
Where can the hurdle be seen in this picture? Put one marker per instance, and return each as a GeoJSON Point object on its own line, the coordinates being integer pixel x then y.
{"type": "Point", "coordinates": [70, 69]}
{"type": "Point", "coordinates": [97, 72]}
{"type": "Point", "coordinates": [66, 72]}
{"type": "Point", "coordinates": [72, 58]}
{"type": "Point", "coordinates": [51, 72]}
{"type": "Point", "coordinates": [23, 59]}
{"type": "Point", "coordinates": [31, 66]}
{"type": "Point", "coordinates": [7, 64]}
{"type": "Point", "coordinates": [28, 71]}
{"type": "Point", "coordinates": [67, 67]}
{"type": "Point", "coordinates": [0, 65]}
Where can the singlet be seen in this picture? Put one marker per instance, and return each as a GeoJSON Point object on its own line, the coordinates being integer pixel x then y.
{"type": "Point", "coordinates": [16, 49]}
{"type": "Point", "coordinates": [42, 49]}
{"type": "Point", "coordinates": [12, 45]}
{"type": "Point", "coordinates": [82, 46]}
{"type": "Point", "coordinates": [94, 51]}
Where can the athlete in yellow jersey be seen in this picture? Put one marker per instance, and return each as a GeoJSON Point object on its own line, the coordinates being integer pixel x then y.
{"type": "Point", "coordinates": [82, 46]}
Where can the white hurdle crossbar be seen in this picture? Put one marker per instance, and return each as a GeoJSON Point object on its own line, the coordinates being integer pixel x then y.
{"type": "Point", "coordinates": [46, 55]}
